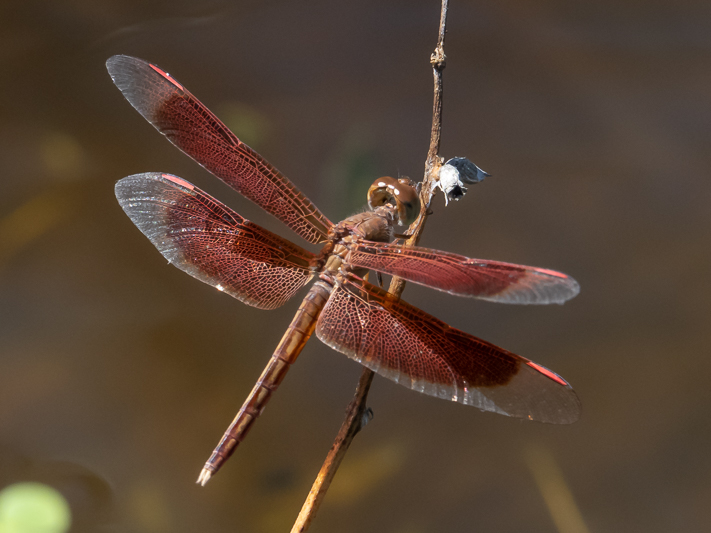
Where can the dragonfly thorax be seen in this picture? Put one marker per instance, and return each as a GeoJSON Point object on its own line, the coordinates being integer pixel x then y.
{"type": "Point", "coordinates": [376, 225]}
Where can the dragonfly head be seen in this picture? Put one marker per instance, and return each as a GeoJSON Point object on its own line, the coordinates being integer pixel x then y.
{"type": "Point", "coordinates": [400, 194]}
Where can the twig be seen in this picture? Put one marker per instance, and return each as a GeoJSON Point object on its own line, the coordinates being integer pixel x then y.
{"type": "Point", "coordinates": [356, 414]}
{"type": "Point", "coordinates": [434, 161]}
{"type": "Point", "coordinates": [356, 417]}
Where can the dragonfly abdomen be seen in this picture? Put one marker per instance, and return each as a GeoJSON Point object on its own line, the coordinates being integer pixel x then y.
{"type": "Point", "coordinates": [297, 334]}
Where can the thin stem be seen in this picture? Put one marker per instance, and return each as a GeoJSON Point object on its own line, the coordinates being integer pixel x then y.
{"type": "Point", "coordinates": [434, 161]}
{"type": "Point", "coordinates": [356, 417]}
{"type": "Point", "coordinates": [438, 63]}
{"type": "Point", "coordinates": [357, 414]}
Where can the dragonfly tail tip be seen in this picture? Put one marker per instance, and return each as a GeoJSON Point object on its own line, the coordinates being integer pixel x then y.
{"type": "Point", "coordinates": [205, 476]}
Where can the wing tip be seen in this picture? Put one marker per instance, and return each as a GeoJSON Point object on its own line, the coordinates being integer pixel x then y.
{"type": "Point", "coordinates": [562, 289]}
{"type": "Point", "coordinates": [116, 58]}
{"type": "Point", "coordinates": [164, 177]}
{"type": "Point", "coordinates": [124, 187]}
{"type": "Point", "coordinates": [570, 414]}
{"type": "Point", "coordinates": [548, 373]}
{"type": "Point", "coordinates": [573, 289]}
{"type": "Point", "coordinates": [117, 62]}
{"type": "Point", "coordinates": [570, 406]}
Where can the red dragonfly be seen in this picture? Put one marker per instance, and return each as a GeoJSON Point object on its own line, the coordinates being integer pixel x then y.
{"type": "Point", "coordinates": [212, 243]}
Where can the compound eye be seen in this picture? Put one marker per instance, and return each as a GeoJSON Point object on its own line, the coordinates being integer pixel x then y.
{"type": "Point", "coordinates": [398, 193]}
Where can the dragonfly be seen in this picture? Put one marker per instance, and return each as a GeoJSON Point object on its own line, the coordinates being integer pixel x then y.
{"type": "Point", "coordinates": [211, 242]}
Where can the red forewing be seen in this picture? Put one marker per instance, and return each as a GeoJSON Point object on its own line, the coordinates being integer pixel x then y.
{"type": "Point", "coordinates": [416, 350]}
{"type": "Point", "coordinates": [212, 243]}
{"type": "Point", "coordinates": [193, 128]}
{"type": "Point", "coordinates": [488, 280]}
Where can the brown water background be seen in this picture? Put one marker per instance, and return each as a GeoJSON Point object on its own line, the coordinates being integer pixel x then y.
{"type": "Point", "coordinates": [118, 373]}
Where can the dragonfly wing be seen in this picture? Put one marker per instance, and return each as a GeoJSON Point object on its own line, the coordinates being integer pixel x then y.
{"type": "Point", "coordinates": [414, 349]}
{"type": "Point", "coordinates": [209, 241]}
{"type": "Point", "coordinates": [193, 128]}
{"type": "Point", "coordinates": [477, 278]}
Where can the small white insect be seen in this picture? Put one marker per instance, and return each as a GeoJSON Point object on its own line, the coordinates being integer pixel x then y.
{"type": "Point", "coordinates": [453, 173]}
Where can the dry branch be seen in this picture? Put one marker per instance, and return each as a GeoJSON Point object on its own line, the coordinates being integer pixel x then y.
{"type": "Point", "coordinates": [357, 414]}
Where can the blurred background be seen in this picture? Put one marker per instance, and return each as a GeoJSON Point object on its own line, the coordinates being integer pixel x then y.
{"type": "Point", "coordinates": [119, 373]}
